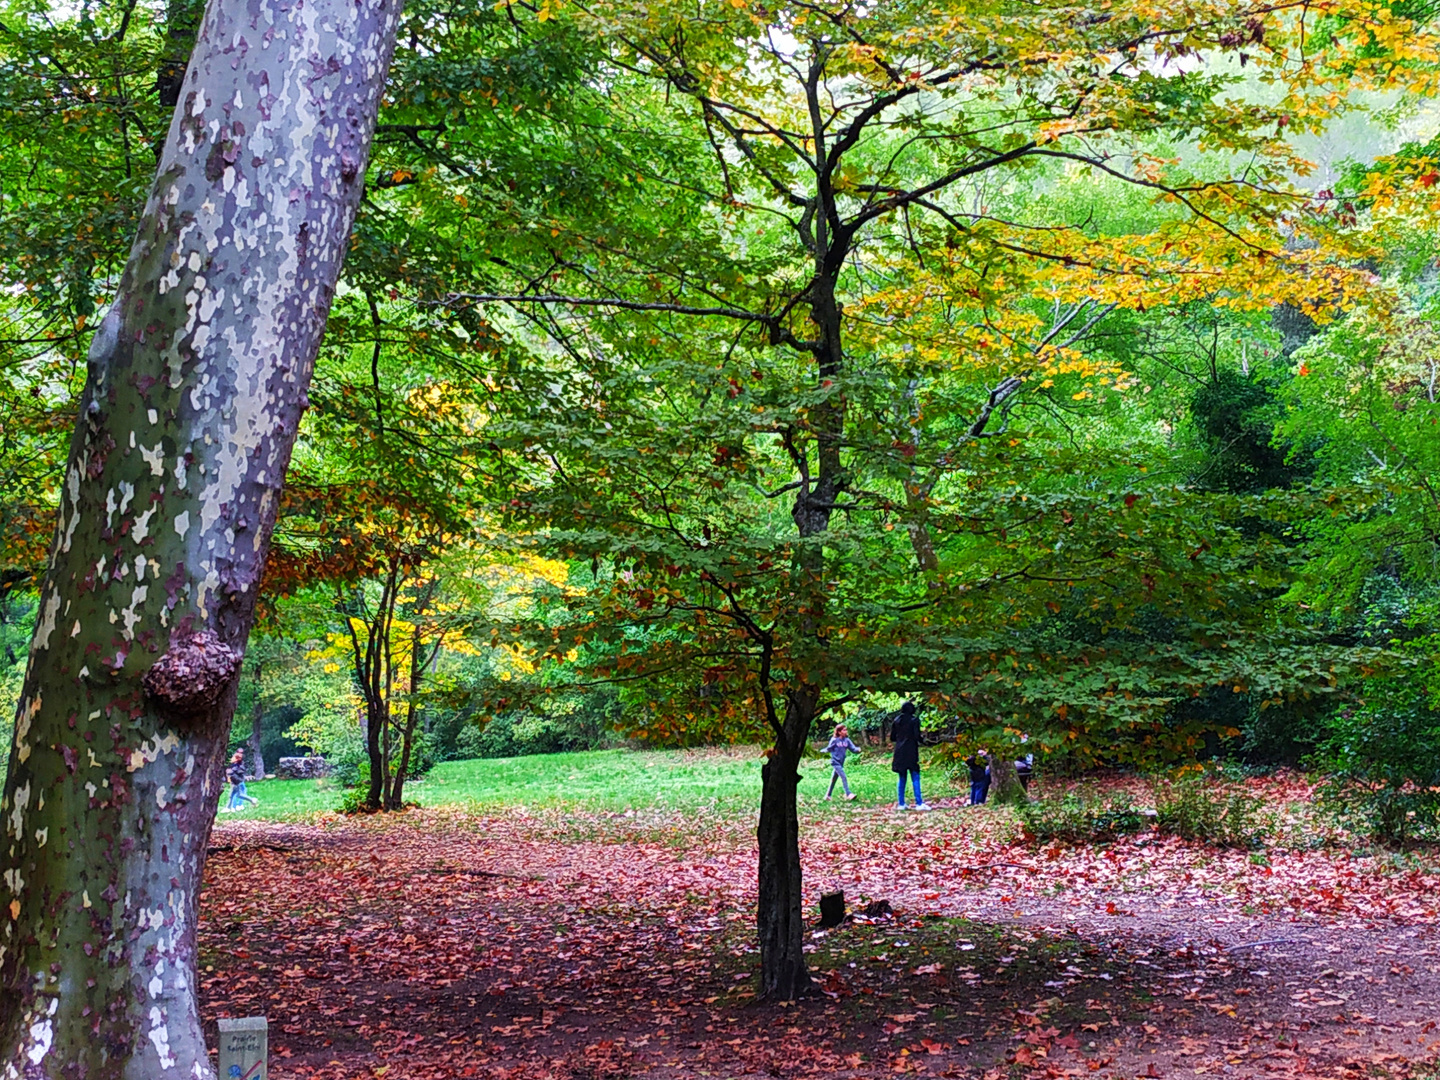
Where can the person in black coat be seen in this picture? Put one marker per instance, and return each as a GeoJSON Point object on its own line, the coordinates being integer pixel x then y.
{"type": "Point", "coordinates": [905, 734]}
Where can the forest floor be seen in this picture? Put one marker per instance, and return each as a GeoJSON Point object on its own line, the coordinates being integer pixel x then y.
{"type": "Point", "coordinates": [565, 943]}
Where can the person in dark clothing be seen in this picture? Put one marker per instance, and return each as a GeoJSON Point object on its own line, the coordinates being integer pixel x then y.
{"type": "Point", "coordinates": [979, 777]}
{"type": "Point", "coordinates": [905, 734]}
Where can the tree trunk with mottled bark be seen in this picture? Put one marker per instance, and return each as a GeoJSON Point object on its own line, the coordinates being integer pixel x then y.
{"type": "Point", "coordinates": [196, 384]}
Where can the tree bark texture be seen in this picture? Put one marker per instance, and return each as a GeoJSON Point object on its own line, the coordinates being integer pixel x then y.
{"type": "Point", "coordinates": [1005, 786]}
{"type": "Point", "coordinates": [780, 913]}
{"type": "Point", "coordinates": [196, 383]}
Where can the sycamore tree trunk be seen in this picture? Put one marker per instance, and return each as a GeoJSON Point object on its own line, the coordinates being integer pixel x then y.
{"type": "Point", "coordinates": [196, 384]}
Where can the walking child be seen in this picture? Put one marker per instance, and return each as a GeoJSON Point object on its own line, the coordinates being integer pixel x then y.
{"type": "Point", "coordinates": [839, 746]}
{"type": "Point", "coordinates": [236, 775]}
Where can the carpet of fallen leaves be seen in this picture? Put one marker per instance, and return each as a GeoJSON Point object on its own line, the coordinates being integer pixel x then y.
{"type": "Point", "coordinates": [565, 946]}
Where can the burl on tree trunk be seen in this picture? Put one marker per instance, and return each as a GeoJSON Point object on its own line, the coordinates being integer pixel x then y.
{"type": "Point", "coordinates": [196, 383]}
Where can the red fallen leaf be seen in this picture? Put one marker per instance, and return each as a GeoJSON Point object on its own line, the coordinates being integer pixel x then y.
{"type": "Point", "coordinates": [1152, 1070]}
{"type": "Point", "coordinates": [1304, 369]}
{"type": "Point", "coordinates": [1130, 501]}
{"type": "Point", "coordinates": [1428, 180]}
{"type": "Point", "coordinates": [932, 1047]}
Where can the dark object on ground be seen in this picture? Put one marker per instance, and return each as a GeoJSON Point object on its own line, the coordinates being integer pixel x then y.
{"type": "Point", "coordinates": [832, 909]}
{"type": "Point", "coordinates": [302, 768]}
{"type": "Point", "coordinates": [877, 908]}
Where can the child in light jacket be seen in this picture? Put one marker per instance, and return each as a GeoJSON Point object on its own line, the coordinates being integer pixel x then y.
{"type": "Point", "coordinates": [839, 746]}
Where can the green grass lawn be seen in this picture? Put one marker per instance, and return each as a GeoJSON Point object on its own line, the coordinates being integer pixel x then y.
{"type": "Point", "coordinates": [601, 781]}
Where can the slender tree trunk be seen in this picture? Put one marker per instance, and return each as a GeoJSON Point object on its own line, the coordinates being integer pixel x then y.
{"type": "Point", "coordinates": [780, 913]}
{"type": "Point", "coordinates": [375, 724]}
{"type": "Point", "coordinates": [387, 742]}
{"type": "Point", "coordinates": [407, 735]}
{"type": "Point", "coordinates": [257, 720]}
{"type": "Point", "coordinates": [367, 677]}
{"type": "Point", "coordinates": [920, 540]}
{"type": "Point", "coordinates": [195, 388]}
{"type": "Point", "coordinates": [382, 685]}
{"type": "Point", "coordinates": [397, 789]}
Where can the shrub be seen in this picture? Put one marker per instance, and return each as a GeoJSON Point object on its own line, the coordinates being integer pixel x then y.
{"type": "Point", "coordinates": [1208, 807]}
{"type": "Point", "coordinates": [1078, 818]}
{"type": "Point", "coordinates": [350, 763]}
{"type": "Point", "coordinates": [1283, 734]}
{"type": "Point", "coordinates": [1383, 765]}
{"type": "Point", "coordinates": [511, 735]}
{"type": "Point", "coordinates": [351, 766]}
{"type": "Point", "coordinates": [352, 799]}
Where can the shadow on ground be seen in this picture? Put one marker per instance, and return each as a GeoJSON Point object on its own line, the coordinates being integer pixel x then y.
{"type": "Point", "coordinates": [427, 950]}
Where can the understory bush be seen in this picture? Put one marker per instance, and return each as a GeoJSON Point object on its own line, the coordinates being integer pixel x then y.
{"type": "Point", "coordinates": [1208, 807]}
{"type": "Point", "coordinates": [1078, 818]}
{"type": "Point", "coordinates": [1381, 763]}
{"type": "Point", "coordinates": [511, 735]}
{"type": "Point", "coordinates": [348, 757]}
{"type": "Point", "coordinates": [351, 764]}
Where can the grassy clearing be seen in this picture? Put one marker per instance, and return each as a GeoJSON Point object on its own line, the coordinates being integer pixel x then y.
{"type": "Point", "coordinates": [674, 782]}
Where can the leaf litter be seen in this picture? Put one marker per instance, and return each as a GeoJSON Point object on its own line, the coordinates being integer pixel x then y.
{"type": "Point", "coordinates": [559, 945]}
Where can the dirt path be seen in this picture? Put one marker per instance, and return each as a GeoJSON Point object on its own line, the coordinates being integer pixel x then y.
{"type": "Point", "coordinates": [445, 947]}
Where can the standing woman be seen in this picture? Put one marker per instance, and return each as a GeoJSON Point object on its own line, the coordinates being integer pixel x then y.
{"type": "Point", "coordinates": [905, 734]}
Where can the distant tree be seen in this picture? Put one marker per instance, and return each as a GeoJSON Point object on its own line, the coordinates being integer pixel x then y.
{"type": "Point", "coordinates": [380, 567]}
